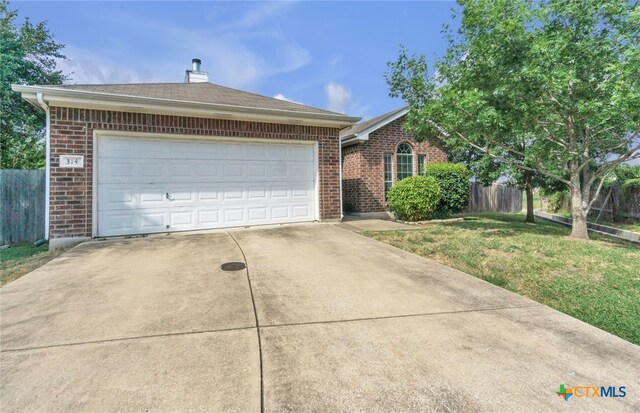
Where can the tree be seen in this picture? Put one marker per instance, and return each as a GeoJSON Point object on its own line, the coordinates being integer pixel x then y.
{"type": "Point", "coordinates": [28, 56]}
{"type": "Point", "coordinates": [550, 87]}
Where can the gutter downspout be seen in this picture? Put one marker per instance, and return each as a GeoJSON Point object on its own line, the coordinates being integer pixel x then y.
{"type": "Point", "coordinates": [340, 165]}
{"type": "Point", "coordinates": [44, 106]}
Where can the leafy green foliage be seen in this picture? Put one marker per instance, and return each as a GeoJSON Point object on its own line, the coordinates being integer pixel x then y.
{"type": "Point", "coordinates": [28, 56]}
{"type": "Point", "coordinates": [628, 176]}
{"type": "Point", "coordinates": [631, 184]}
{"type": "Point", "coordinates": [415, 198]}
{"type": "Point", "coordinates": [626, 172]}
{"type": "Point", "coordinates": [558, 201]}
{"type": "Point", "coordinates": [453, 180]}
{"type": "Point", "coordinates": [549, 87]}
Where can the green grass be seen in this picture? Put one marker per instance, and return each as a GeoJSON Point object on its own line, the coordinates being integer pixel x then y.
{"type": "Point", "coordinates": [596, 281]}
{"type": "Point", "coordinates": [21, 251]}
{"type": "Point", "coordinates": [19, 260]}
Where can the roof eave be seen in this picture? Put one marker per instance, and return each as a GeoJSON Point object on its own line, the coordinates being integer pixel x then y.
{"type": "Point", "coordinates": [354, 139]}
{"type": "Point", "coordinates": [363, 135]}
{"type": "Point", "coordinates": [140, 104]}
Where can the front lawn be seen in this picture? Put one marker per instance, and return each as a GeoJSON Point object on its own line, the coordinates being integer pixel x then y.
{"type": "Point", "coordinates": [627, 223]}
{"type": "Point", "coordinates": [596, 281]}
{"type": "Point", "coordinates": [19, 260]}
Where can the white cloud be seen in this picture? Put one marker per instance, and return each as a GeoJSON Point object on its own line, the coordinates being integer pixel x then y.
{"type": "Point", "coordinates": [264, 11]}
{"type": "Point", "coordinates": [280, 96]}
{"type": "Point", "coordinates": [338, 97]}
{"type": "Point", "coordinates": [241, 55]}
{"type": "Point", "coordinates": [84, 66]}
{"type": "Point", "coordinates": [233, 59]}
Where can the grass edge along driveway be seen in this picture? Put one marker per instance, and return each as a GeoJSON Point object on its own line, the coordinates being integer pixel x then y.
{"type": "Point", "coordinates": [19, 260]}
{"type": "Point", "coordinates": [596, 281]}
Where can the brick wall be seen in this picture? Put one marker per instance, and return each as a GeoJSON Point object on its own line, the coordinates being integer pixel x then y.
{"type": "Point", "coordinates": [363, 166]}
{"type": "Point", "coordinates": [72, 133]}
{"type": "Point", "coordinates": [351, 177]}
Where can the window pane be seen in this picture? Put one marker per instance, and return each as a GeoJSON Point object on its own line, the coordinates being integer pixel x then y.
{"type": "Point", "coordinates": [388, 173]}
{"type": "Point", "coordinates": [404, 161]}
{"type": "Point", "coordinates": [422, 159]}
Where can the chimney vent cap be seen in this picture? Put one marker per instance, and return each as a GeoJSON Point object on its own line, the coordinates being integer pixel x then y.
{"type": "Point", "coordinates": [196, 64]}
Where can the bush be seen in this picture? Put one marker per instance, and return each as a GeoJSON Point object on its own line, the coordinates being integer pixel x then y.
{"type": "Point", "coordinates": [558, 201]}
{"type": "Point", "coordinates": [625, 173]}
{"type": "Point", "coordinates": [628, 177]}
{"type": "Point", "coordinates": [453, 180]}
{"type": "Point", "coordinates": [415, 198]}
{"type": "Point", "coordinates": [631, 184]}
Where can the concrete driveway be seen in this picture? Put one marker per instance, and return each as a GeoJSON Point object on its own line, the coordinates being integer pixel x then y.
{"type": "Point", "coordinates": [345, 324]}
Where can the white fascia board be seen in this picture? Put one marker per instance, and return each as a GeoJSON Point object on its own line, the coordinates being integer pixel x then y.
{"type": "Point", "coordinates": [356, 138]}
{"type": "Point", "coordinates": [363, 135]}
{"type": "Point", "coordinates": [107, 101]}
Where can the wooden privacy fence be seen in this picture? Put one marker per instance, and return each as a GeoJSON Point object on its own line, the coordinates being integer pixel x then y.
{"type": "Point", "coordinates": [22, 206]}
{"type": "Point", "coordinates": [494, 198]}
{"type": "Point", "coordinates": [617, 203]}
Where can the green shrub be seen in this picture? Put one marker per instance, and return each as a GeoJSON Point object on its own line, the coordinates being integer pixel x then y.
{"type": "Point", "coordinates": [558, 201]}
{"type": "Point", "coordinates": [453, 180]}
{"type": "Point", "coordinates": [626, 173]}
{"type": "Point", "coordinates": [415, 198]}
{"type": "Point", "coordinates": [631, 184]}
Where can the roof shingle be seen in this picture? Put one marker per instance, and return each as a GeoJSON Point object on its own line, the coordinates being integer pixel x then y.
{"type": "Point", "coordinates": [359, 127]}
{"type": "Point", "coordinates": [197, 92]}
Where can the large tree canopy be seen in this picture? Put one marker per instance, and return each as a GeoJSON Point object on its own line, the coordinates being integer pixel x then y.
{"type": "Point", "coordinates": [27, 56]}
{"type": "Point", "coordinates": [550, 87]}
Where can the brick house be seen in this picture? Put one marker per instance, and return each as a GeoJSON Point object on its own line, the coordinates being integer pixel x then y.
{"type": "Point", "coordinates": [375, 154]}
{"type": "Point", "coordinates": [148, 158]}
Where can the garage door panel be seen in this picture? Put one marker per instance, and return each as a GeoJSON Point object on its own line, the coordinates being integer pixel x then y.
{"type": "Point", "coordinates": [208, 218]}
{"type": "Point", "coordinates": [151, 148]}
{"type": "Point", "coordinates": [234, 216]}
{"type": "Point", "coordinates": [298, 211]}
{"type": "Point", "coordinates": [151, 220]}
{"type": "Point", "coordinates": [136, 196]}
{"type": "Point", "coordinates": [170, 188]}
{"type": "Point", "coordinates": [182, 219]}
{"type": "Point", "coordinates": [113, 171]}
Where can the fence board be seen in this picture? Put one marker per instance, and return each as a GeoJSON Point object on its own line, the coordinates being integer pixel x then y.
{"type": "Point", "coordinates": [622, 203]}
{"type": "Point", "coordinates": [22, 206]}
{"type": "Point", "coordinates": [494, 198]}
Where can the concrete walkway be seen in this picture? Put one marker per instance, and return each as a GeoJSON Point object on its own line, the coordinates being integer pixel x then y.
{"type": "Point", "coordinates": [366, 224]}
{"type": "Point", "coordinates": [323, 319]}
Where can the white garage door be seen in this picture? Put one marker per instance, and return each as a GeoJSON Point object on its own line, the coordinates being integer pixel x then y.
{"type": "Point", "coordinates": [148, 185]}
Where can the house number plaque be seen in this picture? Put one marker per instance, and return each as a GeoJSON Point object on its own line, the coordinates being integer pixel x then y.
{"type": "Point", "coordinates": [71, 161]}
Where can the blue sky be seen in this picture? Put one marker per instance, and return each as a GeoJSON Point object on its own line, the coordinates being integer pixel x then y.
{"type": "Point", "coordinates": [329, 54]}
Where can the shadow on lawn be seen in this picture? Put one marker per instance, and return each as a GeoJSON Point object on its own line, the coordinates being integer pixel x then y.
{"type": "Point", "coordinates": [491, 225]}
{"type": "Point", "coordinates": [509, 225]}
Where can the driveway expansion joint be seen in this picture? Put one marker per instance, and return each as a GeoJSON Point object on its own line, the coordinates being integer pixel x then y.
{"type": "Point", "coordinates": [390, 317]}
{"type": "Point", "coordinates": [133, 338]}
{"type": "Point", "coordinates": [255, 314]}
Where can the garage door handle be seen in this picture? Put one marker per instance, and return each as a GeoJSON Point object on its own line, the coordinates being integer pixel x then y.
{"type": "Point", "coordinates": [169, 197]}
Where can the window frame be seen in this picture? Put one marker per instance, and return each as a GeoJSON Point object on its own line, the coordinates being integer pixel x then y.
{"type": "Point", "coordinates": [387, 160]}
{"type": "Point", "coordinates": [404, 161]}
{"type": "Point", "coordinates": [422, 161]}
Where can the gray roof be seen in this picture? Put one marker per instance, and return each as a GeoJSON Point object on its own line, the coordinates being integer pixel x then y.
{"type": "Point", "coordinates": [359, 127]}
{"type": "Point", "coordinates": [197, 92]}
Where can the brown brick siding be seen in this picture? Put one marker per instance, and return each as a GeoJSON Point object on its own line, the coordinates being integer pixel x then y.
{"type": "Point", "coordinates": [363, 166]}
{"type": "Point", "coordinates": [72, 133]}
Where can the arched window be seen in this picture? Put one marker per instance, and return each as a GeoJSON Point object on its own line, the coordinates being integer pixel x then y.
{"type": "Point", "coordinates": [404, 161]}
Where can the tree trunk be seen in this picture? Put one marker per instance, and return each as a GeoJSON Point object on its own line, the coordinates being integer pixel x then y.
{"type": "Point", "coordinates": [578, 213]}
{"type": "Point", "coordinates": [529, 190]}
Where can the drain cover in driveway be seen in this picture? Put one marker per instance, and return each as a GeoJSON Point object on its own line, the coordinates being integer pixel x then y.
{"type": "Point", "coordinates": [233, 266]}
